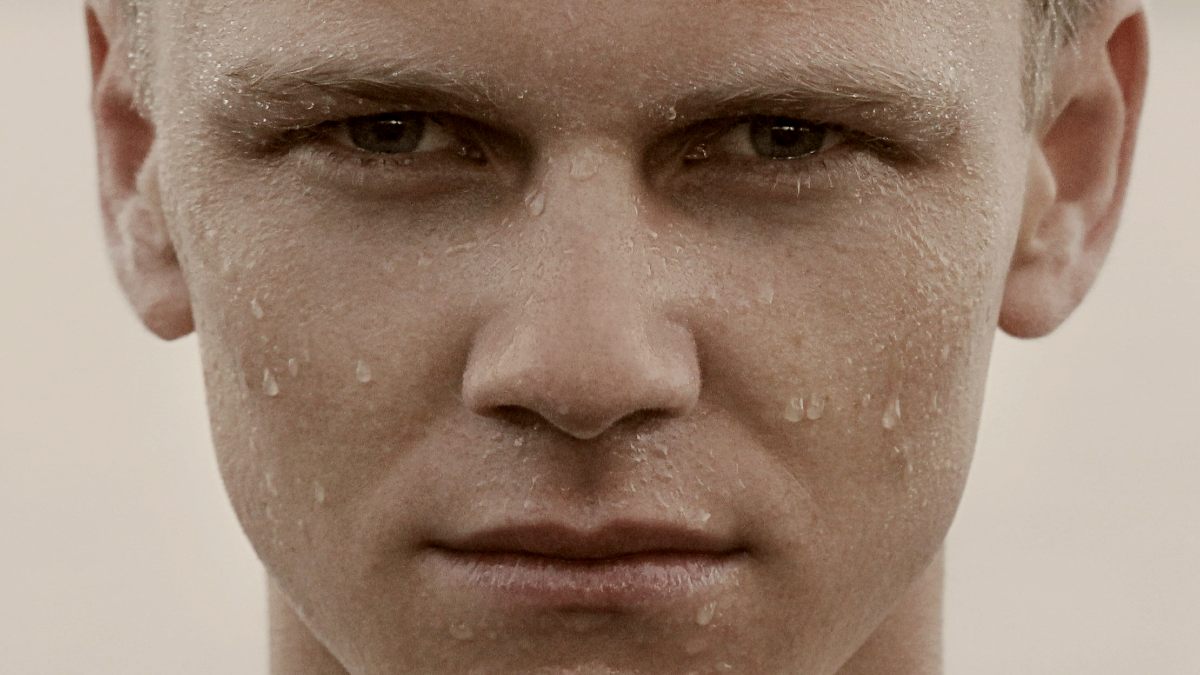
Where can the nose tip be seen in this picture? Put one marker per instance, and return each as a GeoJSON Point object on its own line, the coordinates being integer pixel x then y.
{"type": "Point", "coordinates": [583, 382]}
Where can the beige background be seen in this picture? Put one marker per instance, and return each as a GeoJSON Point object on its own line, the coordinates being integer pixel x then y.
{"type": "Point", "coordinates": [1076, 549]}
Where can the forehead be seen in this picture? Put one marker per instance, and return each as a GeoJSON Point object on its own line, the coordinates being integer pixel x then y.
{"type": "Point", "coordinates": [619, 48]}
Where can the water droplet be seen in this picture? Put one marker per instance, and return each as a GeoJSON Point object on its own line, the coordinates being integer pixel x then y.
{"type": "Point", "coordinates": [584, 166]}
{"type": "Point", "coordinates": [269, 478]}
{"type": "Point", "coordinates": [706, 614]}
{"type": "Point", "coordinates": [891, 416]}
{"type": "Point", "coordinates": [270, 384]}
{"type": "Point", "coordinates": [461, 248]}
{"type": "Point", "coordinates": [461, 631]}
{"type": "Point", "coordinates": [695, 646]}
{"type": "Point", "coordinates": [363, 372]}
{"type": "Point", "coordinates": [766, 294]}
{"type": "Point", "coordinates": [318, 493]}
{"type": "Point", "coordinates": [703, 517]}
{"type": "Point", "coordinates": [794, 412]}
{"type": "Point", "coordinates": [422, 261]}
{"type": "Point", "coordinates": [518, 442]}
{"type": "Point", "coordinates": [816, 408]}
{"type": "Point", "coordinates": [672, 113]}
{"type": "Point", "coordinates": [257, 309]}
{"type": "Point", "coordinates": [293, 367]}
{"type": "Point", "coordinates": [536, 203]}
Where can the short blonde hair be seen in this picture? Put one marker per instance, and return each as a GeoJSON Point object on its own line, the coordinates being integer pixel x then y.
{"type": "Point", "coordinates": [1050, 26]}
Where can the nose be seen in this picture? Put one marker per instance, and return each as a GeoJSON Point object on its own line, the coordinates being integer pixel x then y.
{"type": "Point", "coordinates": [589, 345]}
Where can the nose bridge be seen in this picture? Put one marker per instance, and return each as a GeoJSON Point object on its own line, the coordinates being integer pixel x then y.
{"type": "Point", "coordinates": [586, 343]}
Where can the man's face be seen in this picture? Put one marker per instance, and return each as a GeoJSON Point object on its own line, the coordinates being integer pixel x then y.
{"type": "Point", "coordinates": [702, 291]}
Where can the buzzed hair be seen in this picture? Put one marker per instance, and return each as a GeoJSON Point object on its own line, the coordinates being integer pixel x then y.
{"type": "Point", "coordinates": [1050, 25]}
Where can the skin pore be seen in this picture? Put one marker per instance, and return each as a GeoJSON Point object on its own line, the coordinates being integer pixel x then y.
{"type": "Point", "coordinates": [461, 267]}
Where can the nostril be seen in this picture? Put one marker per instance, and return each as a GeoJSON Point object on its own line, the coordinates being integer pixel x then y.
{"type": "Point", "coordinates": [517, 415]}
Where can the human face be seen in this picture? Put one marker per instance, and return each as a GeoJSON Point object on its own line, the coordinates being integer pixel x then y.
{"type": "Point", "coordinates": [610, 301]}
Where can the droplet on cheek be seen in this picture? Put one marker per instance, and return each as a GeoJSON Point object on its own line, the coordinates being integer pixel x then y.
{"type": "Point", "coordinates": [794, 412]}
{"type": "Point", "coordinates": [536, 203]}
{"type": "Point", "coordinates": [706, 614]}
{"type": "Point", "coordinates": [270, 384]}
{"type": "Point", "coordinates": [891, 416]}
{"type": "Point", "coordinates": [363, 372]}
{"type": "Point", "coordinates": [293, 367]}
{"type": "Point", "coordinates": [257, 309]}
{"type": "Point", "coordinates": [816, 408]}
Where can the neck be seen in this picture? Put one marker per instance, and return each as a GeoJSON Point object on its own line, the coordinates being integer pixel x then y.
{"type": "Point", "coordinates": [908, 642]}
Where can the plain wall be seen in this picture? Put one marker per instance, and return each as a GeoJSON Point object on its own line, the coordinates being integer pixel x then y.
{"type": "Point", "coordinates": [1075, 551]}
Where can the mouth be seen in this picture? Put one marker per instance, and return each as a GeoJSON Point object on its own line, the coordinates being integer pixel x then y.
{"type": "Point", "coordinates": [618, 567]}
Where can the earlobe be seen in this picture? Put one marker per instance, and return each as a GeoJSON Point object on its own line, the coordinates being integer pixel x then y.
{"type": "Point", "coordinates": [1078, 173]}
{"type": "Point", "coordinates": [139, 243]}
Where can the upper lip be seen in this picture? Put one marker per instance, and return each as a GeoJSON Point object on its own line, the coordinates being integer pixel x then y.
{"type": "Point", "coordinates": [612, 540]}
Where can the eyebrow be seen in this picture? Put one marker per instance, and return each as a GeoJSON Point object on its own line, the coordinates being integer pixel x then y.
{"type": "Point", "coordinates": [923, 109]}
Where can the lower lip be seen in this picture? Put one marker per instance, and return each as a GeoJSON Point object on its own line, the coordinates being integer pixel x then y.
{"type": "Point", "coordinates": [613, 584]}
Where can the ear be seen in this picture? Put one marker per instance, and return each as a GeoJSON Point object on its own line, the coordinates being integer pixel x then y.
{"type": "Point", "coordinates": [1079, 170]}
{"type": "Point", "coordinates": [139, 243]}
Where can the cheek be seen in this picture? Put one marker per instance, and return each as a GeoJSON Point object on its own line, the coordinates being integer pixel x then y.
{"type": "Point", "coordinates": [868, 366]}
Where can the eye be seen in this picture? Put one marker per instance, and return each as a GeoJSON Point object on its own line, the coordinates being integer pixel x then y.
{"type": "Point", "coordinates": [766, 137]}
{"type": "Point", "coordinates": [399, 134]}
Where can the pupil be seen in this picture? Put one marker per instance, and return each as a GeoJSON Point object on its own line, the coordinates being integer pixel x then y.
{"type": "Point", "coordinates": [390, 134]}
{"type": "Point", "coordinates": [785, 138]}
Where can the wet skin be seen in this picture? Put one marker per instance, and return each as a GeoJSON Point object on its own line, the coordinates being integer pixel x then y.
{"type": "Point", "coordinates": [722, 283]}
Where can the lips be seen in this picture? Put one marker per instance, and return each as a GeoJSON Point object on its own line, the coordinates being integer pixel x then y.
{"type": "Point", "coordinates": [622, 565]}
